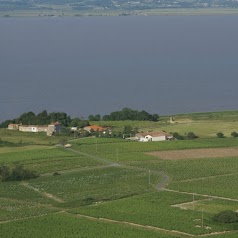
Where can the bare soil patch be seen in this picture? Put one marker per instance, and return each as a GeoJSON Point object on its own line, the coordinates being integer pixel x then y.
{"type": "Point", "coordinates": [195, 153]}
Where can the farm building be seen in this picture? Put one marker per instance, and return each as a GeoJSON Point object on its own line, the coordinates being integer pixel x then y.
{"type": "Point", "coordinates": [49, 129]}
{"type": "Point", "coordinates": [94, 128]}
{"type": "Point", "coordinates": [13, 126]}
{"type": "Point", "coordinates": [53, 128]}
{"type": "Point", "coordinates": [33, 128]}
{"type": "Point", "coordinates": [153, 136]}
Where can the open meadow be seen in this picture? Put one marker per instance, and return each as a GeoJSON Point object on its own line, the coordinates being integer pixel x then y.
{"type": "Point", "coordinates": [118, 188]}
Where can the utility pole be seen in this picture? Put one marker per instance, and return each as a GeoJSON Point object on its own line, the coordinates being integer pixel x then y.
{"type": "Point", "coordinates": [117, 155]}
{"type": "Point", "coordinates": [149, 177]}
{"type": "Point", "coordinates": [202, 219]}
{"type": "Point", "coordinates": [193, 201]}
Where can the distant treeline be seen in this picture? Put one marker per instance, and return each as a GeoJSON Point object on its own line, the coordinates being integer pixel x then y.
{"type": "Point", "coordinates": [126, 114]}
{"type": "Point", "coordinates": [45, 118]}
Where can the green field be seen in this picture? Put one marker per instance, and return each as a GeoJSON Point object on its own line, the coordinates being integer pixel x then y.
{"type": "Point", "coordinates": [112, 188]}
{"type": "Point", "coordinates": [66, 225]}
{"type": "Point", "coordinates": [19, 139]}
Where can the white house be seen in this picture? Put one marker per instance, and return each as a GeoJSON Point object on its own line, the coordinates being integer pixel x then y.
{"type": "Point", "coordinates": [153, 136]}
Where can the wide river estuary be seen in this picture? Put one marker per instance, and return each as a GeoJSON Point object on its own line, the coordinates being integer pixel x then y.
{"type": "Point", "coordinates": [164, 65]}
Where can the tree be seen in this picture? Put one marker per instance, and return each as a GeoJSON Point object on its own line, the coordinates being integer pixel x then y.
{"type": "Point", "coordinates": [234, 134]}
{"type": "Point", "coordinates": [18, 173]}
{"type": "Point", "coordinates": [4, 172]}
{"type": "Point", "coordinates": [226, 217]}
{"type": "Point", "coordinates": [220, 135]}
{"type": "Point", "coordinates": [177, 136]}
{"type": "Point", "coordinates": [94, 118]}
{"type": "Point", "coordinates": [130, 114]}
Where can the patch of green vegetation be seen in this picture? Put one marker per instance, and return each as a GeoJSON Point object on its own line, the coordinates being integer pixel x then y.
{"type": "Point", "coordinates": [14, 209]}
{"type": "Point", "coordinates": [98, 184]}
{"type": "Point", "coordinates": [223, 186]}
{"type": "Point", "coordinates": [155, 209]}
{"type": "Point", "coordinates": [65, 225]}
{"type": "Point", "coordinates": [108, 149]}
{"type": "Point", "coordinates": [47, 159]}
{"type": "Point", "coordinates": [189, 168]}
{"type": "Point", "coordinates": [19, 139]}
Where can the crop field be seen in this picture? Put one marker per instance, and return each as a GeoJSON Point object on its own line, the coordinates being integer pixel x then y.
{"type": "Point", "coordinates": [210, 205]}
{"type": "Point", "coordinates": [15, 209]}
{"type": "Point", "coordinates": [223, 186]}
{"type": "Point", "coordinates": [46, 159]}
{"type": "Point", "coordinates": [109, 149]}
{"type": "Point", "coordinates": [66, 225]}
{"type": "Point", "coordinates": [96, 184]}
{"type": "Point", "coordinates": [155, 209]}
{"type": "Point", "coordinates": [188, 169]}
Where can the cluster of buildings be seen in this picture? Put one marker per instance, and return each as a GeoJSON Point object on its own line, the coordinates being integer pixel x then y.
{"type": "Point", "coordinates": [49, 129]}
{"type": "Point", "coordinates": [56, 127]}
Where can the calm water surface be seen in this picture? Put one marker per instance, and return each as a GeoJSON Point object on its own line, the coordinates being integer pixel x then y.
{"type": "Point", "coordinates": [165, 65]}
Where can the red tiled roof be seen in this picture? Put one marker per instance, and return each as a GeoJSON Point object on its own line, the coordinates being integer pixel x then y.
{"type": "Point", "coordinates": [95, 128]}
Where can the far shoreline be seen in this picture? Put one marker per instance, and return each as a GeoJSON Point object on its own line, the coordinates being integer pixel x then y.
{"type": "Point", "coordinates": [110, 13]}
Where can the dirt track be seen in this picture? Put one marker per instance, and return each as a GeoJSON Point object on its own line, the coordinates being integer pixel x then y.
{"type": "Point", "coordinates": [195, 153]}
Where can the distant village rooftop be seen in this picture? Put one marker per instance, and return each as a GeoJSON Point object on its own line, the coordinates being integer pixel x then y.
{"type": "Point", "coordinates": [94, 128]}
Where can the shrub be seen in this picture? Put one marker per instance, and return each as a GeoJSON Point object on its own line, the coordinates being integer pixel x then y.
{"type": "Point", "coordinates": [226, 217]}
{"type": "Point", "coordinates": [234, 134]}
{"type": "Point", "coordinates": [191, 135]}
{"type": "Point", "coordinates": [220, 135]}
{"type": "Point", "coordinates": [18, 173]}
{"type": "Point", "coordinates": [177, 136]}
{"type": "Point", "coordinates": [56, 174]}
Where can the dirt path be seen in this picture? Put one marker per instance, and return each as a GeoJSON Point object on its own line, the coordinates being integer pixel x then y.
{"type": "Point", "coordinates": [45, 194]}
{"type": "Point", "coordinates": [202, 195]}
{"type": "Point", "coordinates": [95, 157]}
{"type": "Point", "coordinates": [31, 217]}
{"type": "Point", "coordinates": [208, 177]}
{"type": "Point", "coordinates": [78, 169]}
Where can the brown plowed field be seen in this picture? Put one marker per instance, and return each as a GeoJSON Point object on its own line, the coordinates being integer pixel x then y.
{"type": "Point", "coordinates": [195, 153]}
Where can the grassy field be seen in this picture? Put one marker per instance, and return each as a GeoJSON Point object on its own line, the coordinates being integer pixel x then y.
{"type": "Point", "coordinates": [113, 186]}
{"type": "Point", "coordinates": [19, 139]}
{"type": "Point", "coordinates": [204, 125]}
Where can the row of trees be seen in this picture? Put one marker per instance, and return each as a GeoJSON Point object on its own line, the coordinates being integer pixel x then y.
{"type": "Point", "coordinates": [45, 118]}
{"type": "Point", "coordinates": [126, 114]}
{"type": "Point", "coordinates": [191, 135]}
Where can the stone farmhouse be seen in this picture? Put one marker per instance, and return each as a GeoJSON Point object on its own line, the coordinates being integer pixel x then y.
{"type": "Point", "coordinates": [153, 136]}
{"type": "Point", "coordinates": [49, 129]}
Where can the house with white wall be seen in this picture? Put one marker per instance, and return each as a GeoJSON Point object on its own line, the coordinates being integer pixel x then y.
{"type": "Point", "coordinates": [153, 136]}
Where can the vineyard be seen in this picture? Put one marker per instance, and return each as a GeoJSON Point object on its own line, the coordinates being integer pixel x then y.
{"type": "Point", "coordinates": [112, 188]}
